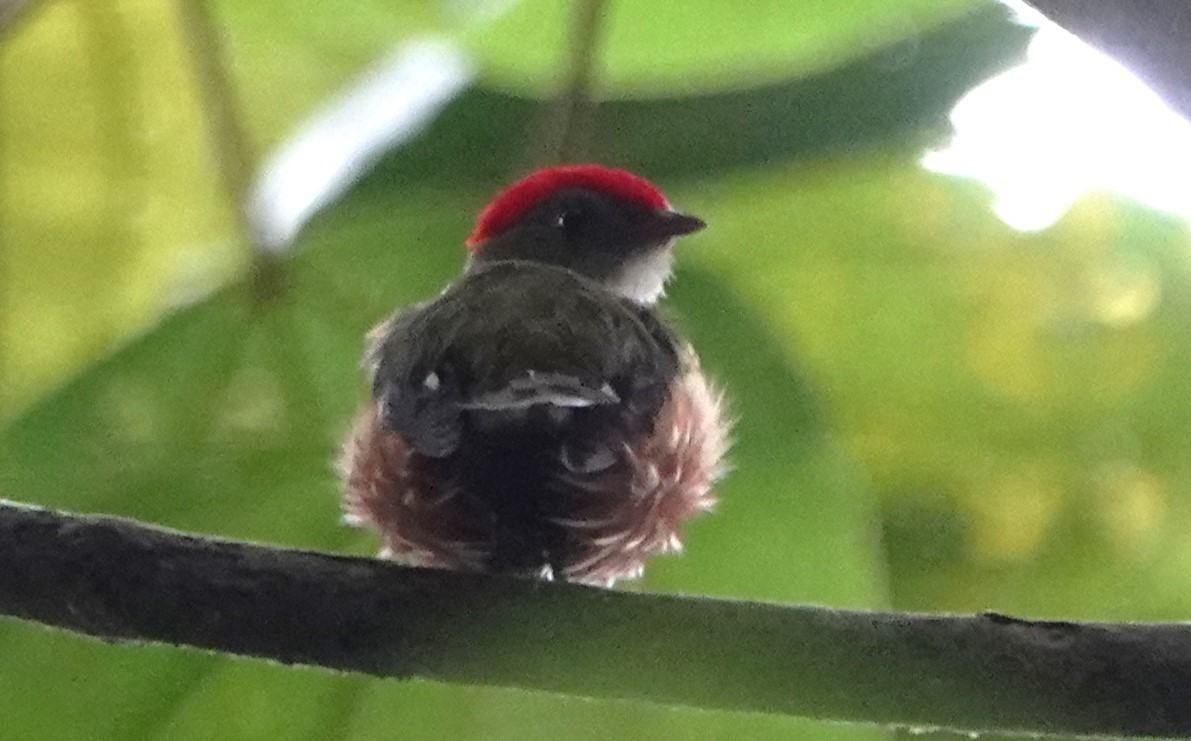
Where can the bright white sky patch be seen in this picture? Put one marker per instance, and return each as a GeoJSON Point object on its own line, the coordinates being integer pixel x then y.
{"type": "Point", "coordinates": [1067, 121]}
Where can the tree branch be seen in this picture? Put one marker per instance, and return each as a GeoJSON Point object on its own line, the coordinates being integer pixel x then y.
{"type": "Point", "coordinates": [1150, 37]}
{"type": "Point", "coordinates": [117, 579]}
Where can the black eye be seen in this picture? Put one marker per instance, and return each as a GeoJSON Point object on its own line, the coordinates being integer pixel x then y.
{"type": "Point", "coordinates": [570, 222]}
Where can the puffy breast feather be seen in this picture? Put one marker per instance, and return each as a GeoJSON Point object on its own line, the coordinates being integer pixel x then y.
{"type": "Point", "coordinates": [504, 318]}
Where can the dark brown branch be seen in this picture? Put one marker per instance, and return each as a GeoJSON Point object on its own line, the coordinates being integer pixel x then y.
{"type": "Point", "coordinates": [1150, 37]}
{"type": "Point", "coordinates": [117, 579]}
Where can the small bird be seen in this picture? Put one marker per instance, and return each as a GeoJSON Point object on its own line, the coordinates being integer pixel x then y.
{"type": "Point", "coordinates": [540, 417]}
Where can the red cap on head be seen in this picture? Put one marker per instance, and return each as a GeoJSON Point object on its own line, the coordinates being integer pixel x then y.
{"type": "Point", "coordinates": [514, 201]}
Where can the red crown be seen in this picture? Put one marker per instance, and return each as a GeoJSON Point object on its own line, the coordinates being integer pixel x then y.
{"type": "Point", "coordinates": [514, 201]}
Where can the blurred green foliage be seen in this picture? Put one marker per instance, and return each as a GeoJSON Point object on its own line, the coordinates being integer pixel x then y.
{"type": "Point", "coordinates": [936, 412]}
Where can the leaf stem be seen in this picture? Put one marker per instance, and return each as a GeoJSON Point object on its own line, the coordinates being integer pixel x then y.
{"type": "Point", "coordinates": [12, 12]}
{"type": "Point", "coordinates": [234, 156]}
{"type": "Point", "coordinates": [570, 123]}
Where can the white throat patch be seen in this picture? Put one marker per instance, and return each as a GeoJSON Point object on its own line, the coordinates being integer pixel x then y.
{"type": "Point", "coordinates": [643, 279]}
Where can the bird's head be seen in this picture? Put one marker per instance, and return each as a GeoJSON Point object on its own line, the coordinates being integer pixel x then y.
{"type": "Point", "coordinates": [609, 225]}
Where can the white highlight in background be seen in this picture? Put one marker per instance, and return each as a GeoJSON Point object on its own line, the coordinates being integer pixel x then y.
{"type": "Point", "coordinates": [341, 142]}
{"type": "Point", "coordinates": [1067, 121]}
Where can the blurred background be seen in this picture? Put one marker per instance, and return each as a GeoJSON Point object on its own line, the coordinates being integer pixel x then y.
{"type": "Point", "coordinates": [943, 282]}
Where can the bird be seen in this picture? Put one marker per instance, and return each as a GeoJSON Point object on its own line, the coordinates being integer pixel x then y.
{"type": "Point", "coordinates": [541, 417]}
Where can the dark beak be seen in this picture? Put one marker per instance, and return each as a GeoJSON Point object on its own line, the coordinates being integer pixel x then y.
{"type": "Point", "coordinates": [667, 224]}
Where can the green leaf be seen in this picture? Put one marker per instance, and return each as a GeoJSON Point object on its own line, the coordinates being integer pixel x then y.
{"type": "Point", "coordinates": [485, 136]}
{"type": "Point", "coordinates": [111, 211]}
{"type": "Point", "coordinates": [1012, 396]}
{"type": "Point", "coordinates": [653, 47]}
